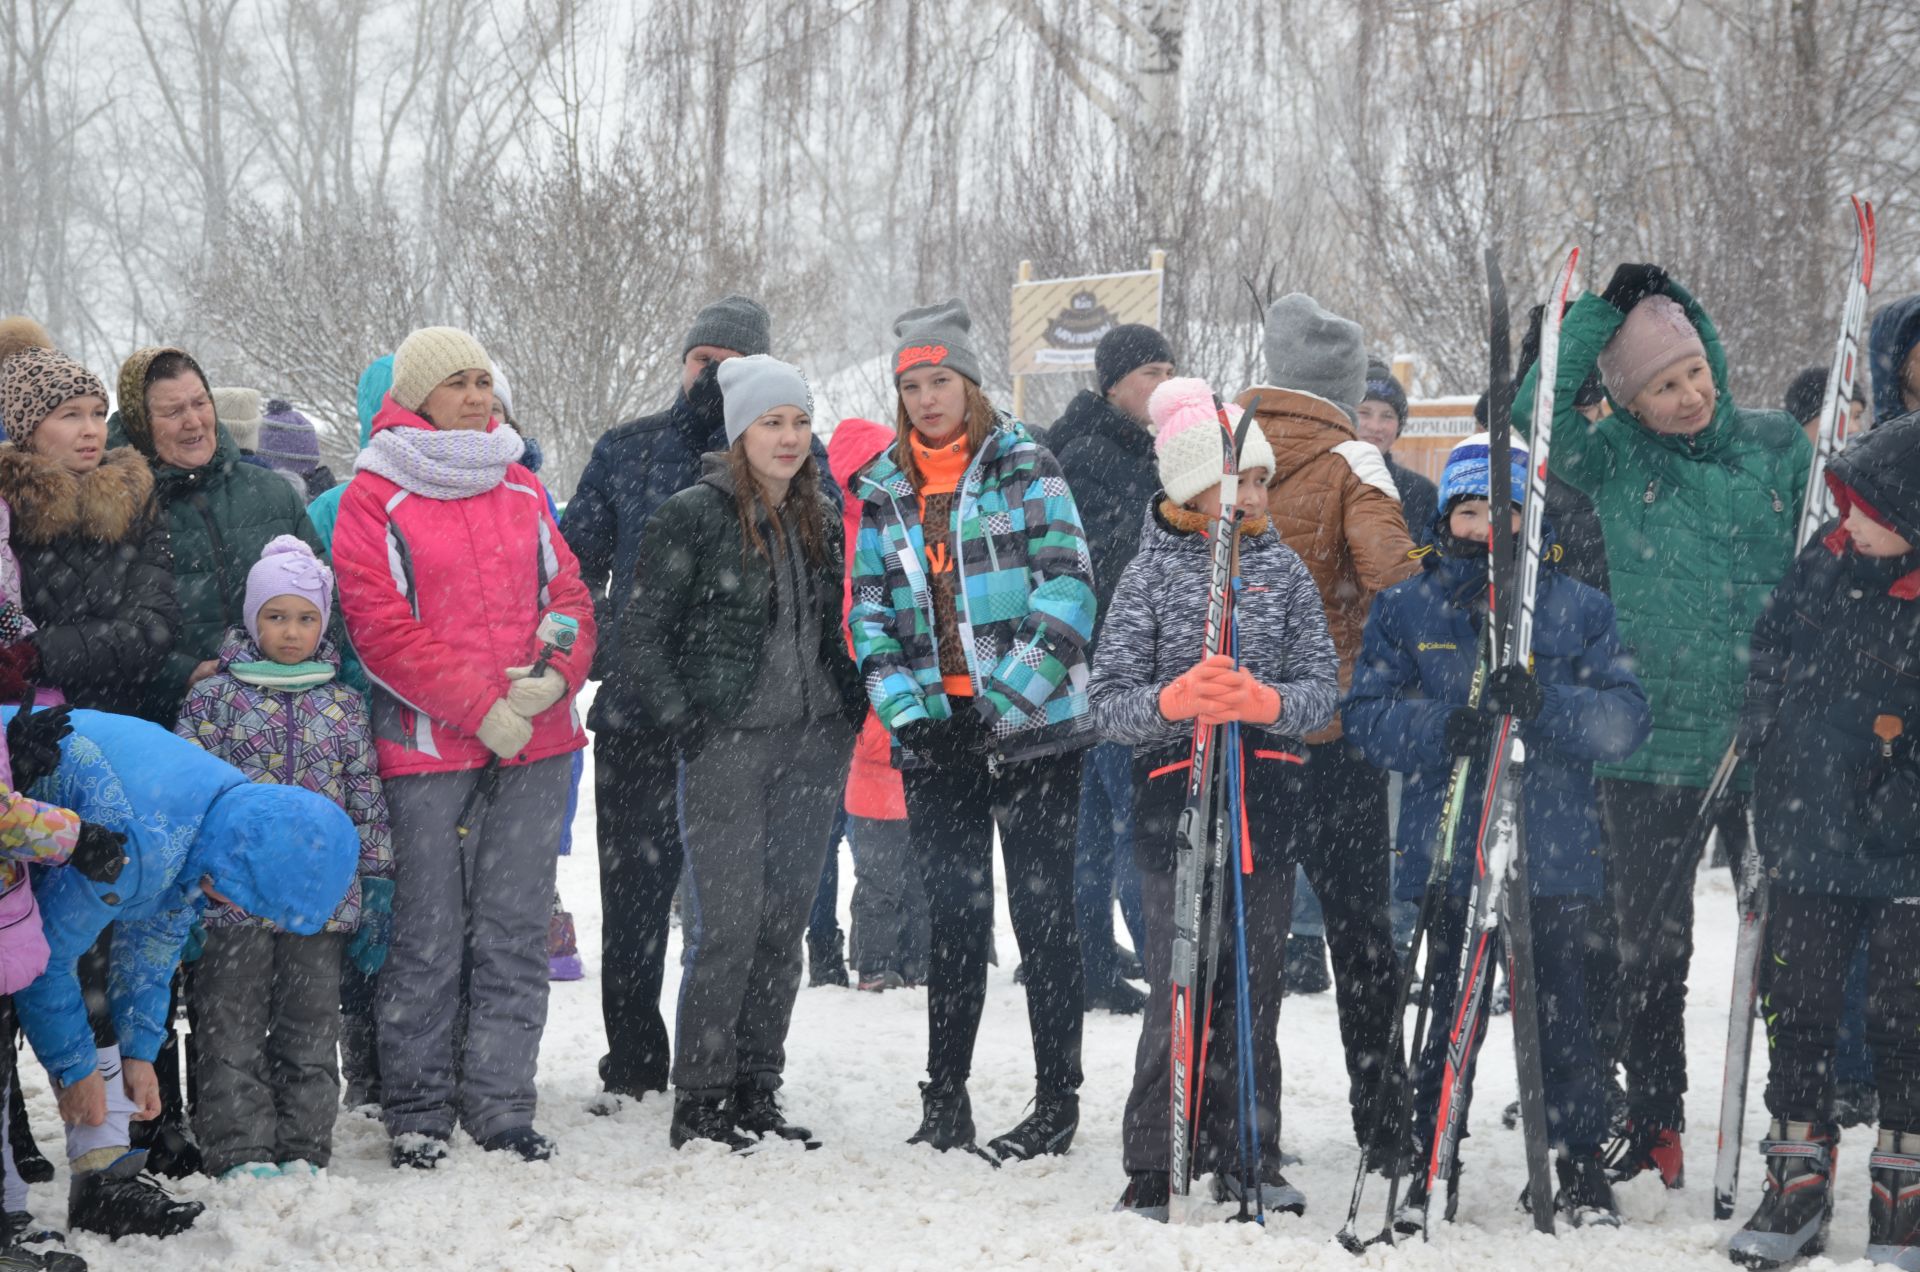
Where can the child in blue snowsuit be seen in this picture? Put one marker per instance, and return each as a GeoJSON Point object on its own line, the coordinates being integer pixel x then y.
{"type": "Point", "coordinates": [197, 832]}
{"type": "Point", "coordinates": [1580, 705]}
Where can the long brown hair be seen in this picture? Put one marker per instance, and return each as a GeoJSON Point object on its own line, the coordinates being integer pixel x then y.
{"type": "Point", "coordinates": [981, 421]}
{"type": "Point", "coordinates": [803, 497]}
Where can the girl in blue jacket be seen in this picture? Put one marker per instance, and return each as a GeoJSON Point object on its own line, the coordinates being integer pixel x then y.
{"type": "Point", "coordinates": [1579, 706]}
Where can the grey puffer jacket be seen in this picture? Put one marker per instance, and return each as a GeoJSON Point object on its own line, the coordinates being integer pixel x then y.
{"type": "Point", "coordinates": [1157, 627]}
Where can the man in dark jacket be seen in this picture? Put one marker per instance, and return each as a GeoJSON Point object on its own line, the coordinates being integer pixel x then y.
{"type": "Point", "coordinates": [1104, 443]}
{"type": "Point", "coordinates": [635, 468]}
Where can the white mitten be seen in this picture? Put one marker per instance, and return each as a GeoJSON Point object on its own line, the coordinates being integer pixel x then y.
{"type": "Point", "coordinates": [529, 694]}
{"type": "Point", "coordinates": [505, 731]}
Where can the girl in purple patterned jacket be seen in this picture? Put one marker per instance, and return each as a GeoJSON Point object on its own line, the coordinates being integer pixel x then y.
{"type": "Point", "coordinates": [267, 1003]}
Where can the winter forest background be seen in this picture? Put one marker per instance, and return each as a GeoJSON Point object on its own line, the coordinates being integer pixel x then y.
{"type": "Point", "coordinates": [288, 187]}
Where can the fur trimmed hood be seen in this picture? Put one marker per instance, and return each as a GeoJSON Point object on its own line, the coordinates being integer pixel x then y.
{"type": "Point", "coordinates": [48, 502]}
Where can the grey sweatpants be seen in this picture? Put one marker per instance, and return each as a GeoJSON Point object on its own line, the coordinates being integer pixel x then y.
{"type": "Point", "coordinates": [891, 932]}
{"type": "Point", "coordinates": [759, 806]}
{"type": "Point", "coordinates": [484, 902]}
{"type": "Point", "coordinates": [266, 1010]}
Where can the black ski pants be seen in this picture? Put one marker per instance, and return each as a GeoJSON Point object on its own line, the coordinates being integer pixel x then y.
{"type": "Point", "coordinates": [1810, 944]}
{"type": "Point", "coordinates": [1343, 846]}
{"type": "Point", "coordinates": [952, 814]}
{"type": "Point", "coordinates": [636, 778]}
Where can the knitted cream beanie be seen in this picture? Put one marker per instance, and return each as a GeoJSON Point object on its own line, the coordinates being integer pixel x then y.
{"type": "Point", "coordinates": [429, 356]}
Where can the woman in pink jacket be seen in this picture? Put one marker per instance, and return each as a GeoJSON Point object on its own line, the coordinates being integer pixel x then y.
{"type": "Point", "coordinates": [449, 564]}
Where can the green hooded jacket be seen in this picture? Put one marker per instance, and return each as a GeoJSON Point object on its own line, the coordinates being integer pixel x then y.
{"type": "Point", "coordinates": [1698, 531]}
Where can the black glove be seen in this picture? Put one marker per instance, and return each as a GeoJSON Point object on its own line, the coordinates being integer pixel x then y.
{"type": "Point", "coordinates": [1470, 732]}
{"type": "Point", "coordinates": [952, 743]}
{"type": "Point", "coordinates": [1530, 344]}
{"type": "Point", "coordinates": [1751, 733]}
{"type": "Point", "coordinates": [1632, 284]}
{"type": "Point", "coordinates": [1513, 691]}
{"type": "Point", "coordinates": [100, 854]}
{"type": "Point", "coordinates": [33, 738]}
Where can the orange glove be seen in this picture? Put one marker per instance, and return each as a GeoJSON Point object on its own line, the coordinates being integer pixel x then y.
{"type": "Point", "coordinates": [1252, 702]}
{"type": "Point", "coordinates": [1204, 690]}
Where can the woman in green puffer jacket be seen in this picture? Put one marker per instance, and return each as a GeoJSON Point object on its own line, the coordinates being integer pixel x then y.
{"type": "Point", "coordinates": [1699, 502]}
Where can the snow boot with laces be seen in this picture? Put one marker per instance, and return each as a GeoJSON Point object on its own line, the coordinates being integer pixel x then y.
{"type": "Point", "coordinates": [703, 1116]}
{"type": "Point", "coordinates": [946, 1116]}
{"type": "Point", "coordinates": [1796, 1207]}
{"type": "Point", "coordinates": [1585, 1196]}
{"type": "Point", "coordinates": [1893, 1215]}
{"type": "Point", "coordinates": [756, 1110]}
{"type": "Point", "coordinates": [120, 1201]}
{"type": "Point", "coordinates": [1047, 1131]}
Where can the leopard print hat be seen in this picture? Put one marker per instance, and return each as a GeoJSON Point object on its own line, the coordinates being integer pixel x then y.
{"type": "Point", "coordinates": [34, 383]}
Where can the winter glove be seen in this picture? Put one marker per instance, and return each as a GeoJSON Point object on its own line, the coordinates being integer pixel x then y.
{"type": "Point", "coordinates": [1632, 284]}
{"type": "Point", "coordinates": [505, 731]}
{"type": "Point", "coordinates": [368, 948]}
{"type": "Point", "coordinates": [951, 743]}
{"type": "Point", "coordinates": [530, 694]}
{"type": "Point", "coordinates": [33, 739]}
{"type": "Point", "coordinates": [1513, 691]}
{"type": "Point", "coordinates": [1252, 702]}
{"type": "Point", "coordinates": [1750, 735]}
{"type": "Point", "coordinates": [1470, 733]}
{"type": "Point", "coordinates": [100, 854]}
{"type": "Point", "coordinates": [195, 944]}
{"type": "Point", "coordinates": [1205, 690]}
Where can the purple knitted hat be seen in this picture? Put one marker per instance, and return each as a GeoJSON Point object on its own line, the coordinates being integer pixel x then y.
{"type": "Point", "coordinates": [287, 439]}
{"type": "Point", "coordinates": [287, 567]}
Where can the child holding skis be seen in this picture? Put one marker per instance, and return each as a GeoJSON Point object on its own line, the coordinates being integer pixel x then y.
{"type": "Point", "coordinates": [1833, 705]}
{"type": "Point", "coordinates": [1150, 682]}
{"type": "Point", "coordinates": [267, 1002]}
{"type": "Point", "coordinates": [1580, 705]}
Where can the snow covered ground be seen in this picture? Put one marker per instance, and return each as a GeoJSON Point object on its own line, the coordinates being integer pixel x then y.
{"type": "Point", "coordinates": [618, 1198]}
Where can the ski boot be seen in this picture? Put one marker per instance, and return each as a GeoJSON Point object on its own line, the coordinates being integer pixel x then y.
{"type": "Point", "coordinates": [1306, 970]}
{"type": "Point", "coordinates": [1117, 997]}
{"type": "Point", "coordinates": [1047, 1131]}
{"type": "Point", "coordinates": [881, 982]}
{"type": "Point", "coordinates": [946, 1119]}
{"type": "Point", "coordinates": [827, 960]}
{"type": "Point", "coordinates": [1411, 1218]}
{"type": "Point", "coordinates": [417, 1151]}
{"type": "Point", "coordinates": [523, 1142]}
{"type": "Point", "coordinates": [1276, 1195]}
{"type": "Point", "coordinates": [704, 1117]}
{"type": "Point", "coordinates": [31, 1246]}
{"type": "Point", "coordinates": [1148, 1195]}
{"type": "Point", "coordinates": [756, 1110]}
{"type": "Point", "coordinates": [1647, 1146]}
{"type": "Point", "coordinates": [119, 1201]}
{"type": "Point", "coordinates": [1797, 1205]}
{"type": "Point", "coordinates": [1893, 1216]}
{"type": "Point", "coordinates": [1585, 1196]}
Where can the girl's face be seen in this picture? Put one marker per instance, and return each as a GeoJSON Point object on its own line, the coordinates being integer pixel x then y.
{"type": "Point", "coordinates": [936, 401]}
{"type": "Point", "coordinates": [1470, 521]}
{"type": "Point", "coordinates": [1679, 401]}
{"type": "Point", "coordinates": [777, 444]}
{"type": "Point", "coordinates": [74, 436]}
{"type": "Point", "coordinates": [1252, 500]}
{"type": "Point", "coordinates": [289, 629]}
{"type": "Point", "coordinates": [1871, 539]}
{"type": "Point", "coordinates": [464, 400]}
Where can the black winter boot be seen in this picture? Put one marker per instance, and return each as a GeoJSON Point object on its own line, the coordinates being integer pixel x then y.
{"type": "Point", "coordinates": [827, 961]}
{"type": "Point", "coordinates": [756, 1110]}
{"type": "Point", "coordinates": [1893, 1216]}
{"type": "Point", "coordinates": [946, 1116]}
{"type": "Point", "coordinates": [1148, 1195]}
{"type": "Point", "coordinates": [359, 1062]}
{"type": "Point", "coordinates": [171, 1148]}
{"type": "Point", "coordinates": [1797, 1206]}
{"type": "Point", "coordinates": [1276, 1195]}
{"type": "Point", "coordinates": [31, 1246]}
{"type": "Point", "coordinates": [1306, 970]}
{"type": "Point", "coordinates": [523, 1142]}
{"type": "Point", "coordinates": [698, 1116]}
{"type": "Point", "coordinates": [1116, 996]}
{"type": "Point", "coordinates": [417, 1151]}
{"type": "Point", "coordinates": [1047, 1131]}
{"type": "Point", "coordinates": [121, 1202]}
{"type": "Point", "coordinates": [1586, 1195]}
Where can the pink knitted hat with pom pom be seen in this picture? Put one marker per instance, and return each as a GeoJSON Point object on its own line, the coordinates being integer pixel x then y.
{"type": "Point", "coordinates": [1188, 441]}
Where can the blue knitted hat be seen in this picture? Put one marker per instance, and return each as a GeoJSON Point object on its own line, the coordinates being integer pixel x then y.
{"type": "Point", "coordinates": [1469, 468]}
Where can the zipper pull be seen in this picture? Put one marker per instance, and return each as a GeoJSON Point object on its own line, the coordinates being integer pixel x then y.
{"type": "Point", "coordinates": [1887, 728]}
{"type": "Point", "coordinates": [1777, 505]}
{"type": "Point", "coordinates": [1651, 483]}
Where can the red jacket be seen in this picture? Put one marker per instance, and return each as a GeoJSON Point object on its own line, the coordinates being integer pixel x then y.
{"type": "Point", "coordinates": [873, 784]}
{"type": "Point", "coordinates": [440, 597]}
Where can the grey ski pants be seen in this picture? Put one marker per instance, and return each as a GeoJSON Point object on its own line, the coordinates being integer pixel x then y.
{"type": "Point", "coordinates": [484, 902]}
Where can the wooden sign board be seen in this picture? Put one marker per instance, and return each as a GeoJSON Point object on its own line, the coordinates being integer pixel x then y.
{"type": "Point", "coordinates": [1057, 322]}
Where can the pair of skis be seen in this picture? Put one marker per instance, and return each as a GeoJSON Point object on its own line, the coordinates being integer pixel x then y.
{"type": "Point", "coordinates": [1211, 821]}
{"type": "Point", "coordinates": [1816, 509]}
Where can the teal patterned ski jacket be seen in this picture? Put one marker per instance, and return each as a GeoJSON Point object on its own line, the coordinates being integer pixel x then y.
{"type": "Point", "coordinates": [1025, 593]}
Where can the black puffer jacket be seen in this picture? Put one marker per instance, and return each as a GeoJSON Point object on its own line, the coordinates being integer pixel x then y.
{"type": "Point", "coordinates": [1835, 685]}
{"type": "Point", "coordinates": [694, 633]}
{"type": "Point", "coordinates": [1107, 460]}
{"type": "Point", "coordinates": [96, 572]}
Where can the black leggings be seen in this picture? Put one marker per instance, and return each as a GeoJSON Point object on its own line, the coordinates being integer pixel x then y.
{"type": "Point", "coordinates": [1810, 944]}
{"type": "Point", "coordinates": [951, 815]}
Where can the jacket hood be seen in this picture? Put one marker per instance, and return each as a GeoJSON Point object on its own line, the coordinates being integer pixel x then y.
{"type": "Point", "coordinates": [717, 471]}
{"type": "Point", "coordinates": [1896, 331]}
{"type": "Point", "coordinates": [1091, 415]}
{"type": "Point", "coordinates": [1299, 426]}
{"type": "Point", "coordinates": [1157, 534]}
{"type": "Point", "coordinates": [374, 383]}
{"type": "Point", "coordinates": [238, 647]}
{"type": "Point", "coordinates": [281, 853]}
{"type": "Point", "coordinates": [1883, 466]}
{"type": "Point", "coordinates": [853, 446]}
{"type": "Point", "coordinates": [49, 502]}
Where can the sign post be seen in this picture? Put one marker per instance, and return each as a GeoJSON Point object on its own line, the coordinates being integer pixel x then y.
{"type": "Point", "coordinates": [1058, 322]}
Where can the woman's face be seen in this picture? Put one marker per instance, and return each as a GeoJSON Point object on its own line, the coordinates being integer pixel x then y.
{"type": "Point", "coordinates": [74, 436]}
{"type": "Point", "coordinates": [180, 413]}
{"type": "Point", "coordinates": [1251, 500]}
{"type": "Point", "coordinates": [464, 400]}
{"type": "Point", "coordinates": [936, 401]}
{"type": "Point", "coordinates": [777, 444]}
{"type": "Point", "coordinates": [1679, 401]}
